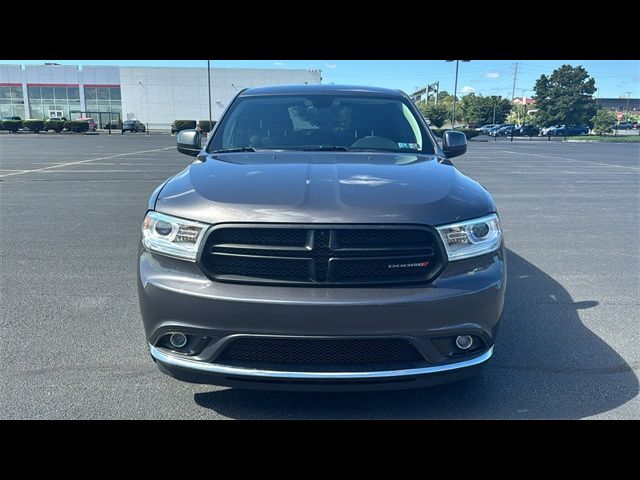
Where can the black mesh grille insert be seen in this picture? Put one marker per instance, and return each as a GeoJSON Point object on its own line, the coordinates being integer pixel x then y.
{"type": "Point", "coordinates": [260, 236]}
{"type": "Point", "coordinates": [357, 238]}
{"type": "Point", "coordinates": [322, 255]}
{"type": "Point", "coordinates": [307, 354]}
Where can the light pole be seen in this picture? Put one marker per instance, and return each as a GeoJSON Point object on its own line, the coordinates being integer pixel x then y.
{"type": "Point", "coordinates": [455, 94]}
{"type": "Point", "coordinates": [628, 95]}
{"type": "Point", "coordinates": [494, 110]}
{"type": "Point", "coordinates": [209, 84]}
{"type": "Point", "coordinates": [525, 110]}
{"type": "Point", "coordinates": [146, 91]}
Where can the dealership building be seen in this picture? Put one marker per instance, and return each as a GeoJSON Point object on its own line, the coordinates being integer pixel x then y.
{"type": "Point", "coordinates": [154, 95]}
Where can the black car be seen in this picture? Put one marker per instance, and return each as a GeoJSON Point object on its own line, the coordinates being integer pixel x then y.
{"type": "Point", "coordinates": [623, 126]}
{"type": "Point", "coordinates": [10, 118]}
{"type": "Point", "coordinates": [133, 126]}
{"type": "Point", "coordinates": [525, 130]}
{"type": "Point", "coordinates": [566, 131]}
{"type": "Point", "coordinates": [321, 239]}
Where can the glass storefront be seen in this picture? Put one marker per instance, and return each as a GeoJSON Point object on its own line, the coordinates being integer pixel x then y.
{"type": "Point", "coordinates": [49, 101]}
{"type": "Point", "coordinates": [11, 101]}
{"type": "Point", "coordinates": [104, 100]}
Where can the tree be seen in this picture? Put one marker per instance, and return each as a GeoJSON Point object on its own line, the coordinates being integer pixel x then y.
{"type": "Point", "coordinates": [603, 120]}
{"type": "Point", "coordinates": [437, 115]}
{"type": "Point", "coordinates": [478, 110]}
{"type": "Point", "coordinates": [565, 97]}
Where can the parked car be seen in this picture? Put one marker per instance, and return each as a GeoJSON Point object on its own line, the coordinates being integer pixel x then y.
{"type": "Point", "coordinates": [278, 279]}
{"type": "Point", "coordinates": [93, 126]}
{"type": "Point", "coordinates": [566, 131]}
{"type": "Point", "coordinates": [636, 125]}
{"type": "Point", "coordinates": [546, 130]}
{"type": "Point", "coordinates": [133, 126]}
{"type": "Point", "coordinates": [112, 126]}
{"type": "Point", "coordinates": [173, 129]}
{"type": "Point", "coordinates": [526, 130]}
{"type": "Point", "coordinates": [485, 128]}
{"type": "Point", "coordinates": [623, 126]}
{"type": "Point", "coordinates": [502, 130]}
{"type": "Point", "coordinates": [9, 118]}
{"type": "Point", "coordinates": [495, 128]}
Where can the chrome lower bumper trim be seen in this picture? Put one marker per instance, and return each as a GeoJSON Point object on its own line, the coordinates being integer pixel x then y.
{"type": "Point", "coordinates": [248, 372]}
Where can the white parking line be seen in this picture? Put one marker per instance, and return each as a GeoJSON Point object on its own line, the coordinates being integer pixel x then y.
{"type": "Point", "coordinates": [83, 161]}
{"type": "Point", "coordinates": [572, 159]}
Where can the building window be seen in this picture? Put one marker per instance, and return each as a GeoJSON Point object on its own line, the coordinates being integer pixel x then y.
{"type": "Point", "coordinates": [103, 94]}
{"type": "Point", "coordinates": [47, 93]}
{"type": "Point", "coordinates": [11, 101]}
{"type": "Point", "coordinates": [33, 93]}
{"type": "Point", "coordinates": [90, 93]}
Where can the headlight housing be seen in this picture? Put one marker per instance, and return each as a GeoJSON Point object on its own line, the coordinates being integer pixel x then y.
{"type": "Point", "coordinates": [172, 236]}
{"type": "Point", "coordinates": [472, 237]}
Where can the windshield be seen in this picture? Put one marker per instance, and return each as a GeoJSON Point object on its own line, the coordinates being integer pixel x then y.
{"type": "Point", "coordinates": [321, 122]}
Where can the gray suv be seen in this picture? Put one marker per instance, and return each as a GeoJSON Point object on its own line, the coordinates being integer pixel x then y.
{"type": "Point", "coordinates": [321, 239]}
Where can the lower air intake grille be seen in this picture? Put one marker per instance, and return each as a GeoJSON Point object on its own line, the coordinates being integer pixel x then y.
{"type": "Point", "coordinates": [308, 354]}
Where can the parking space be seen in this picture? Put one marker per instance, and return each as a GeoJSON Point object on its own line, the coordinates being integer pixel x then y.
{"type": "Point", "coordinates": [71, 338]}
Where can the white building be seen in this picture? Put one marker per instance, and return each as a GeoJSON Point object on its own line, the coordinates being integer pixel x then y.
{"type": "Point", "coordinates": [153, 95]}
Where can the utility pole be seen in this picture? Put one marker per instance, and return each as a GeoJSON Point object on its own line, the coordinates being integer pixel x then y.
{"type": "Point", "coordinates": [513, 91]}
{"type": "Point", "coordinates": [455, 94]}
{"type": "Point", "coordinates": [628, 95]}
{"type": "Point", "coordinates": [209, 84]}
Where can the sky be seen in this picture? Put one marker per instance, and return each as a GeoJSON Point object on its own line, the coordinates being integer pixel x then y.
{"type": "Point", "coordinates": [614, 78]}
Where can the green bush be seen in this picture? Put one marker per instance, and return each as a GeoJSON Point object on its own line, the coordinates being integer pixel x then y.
{"type": "Point", "coordinates": [33, 125]}
{"type": "Point", "coordinates": [469, 133]}
{"type": "Point", "coordinates": [602, 121]}
{"type": "Point", "coordinates": [11, 125]}
{"type": "Point", "coordinates": [184, 125]}
{"type": "Point", "coordinates": [55, 125]}
{"type": "Point", "coordinates": [77, 126]}
{"type": "Point", "coordinates": [203, 125]}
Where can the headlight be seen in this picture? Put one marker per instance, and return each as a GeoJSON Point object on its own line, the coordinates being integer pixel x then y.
{"type": "Point", "coordinates": [471, 238]}
{"type": "Point", "coordinates": [172, 236]}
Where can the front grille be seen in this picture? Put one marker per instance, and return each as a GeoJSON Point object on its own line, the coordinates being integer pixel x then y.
{"type": "Point", "coordinates": [322, 256]}
{"type": "Point", "coordinates": [308, 354]}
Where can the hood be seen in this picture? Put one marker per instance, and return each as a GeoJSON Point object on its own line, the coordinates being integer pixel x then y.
{"type": "Point", "coordinates": [323, 187]}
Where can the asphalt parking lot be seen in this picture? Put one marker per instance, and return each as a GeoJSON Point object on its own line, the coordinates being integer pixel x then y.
{"type": "Point", "coordinates": [71, 337]}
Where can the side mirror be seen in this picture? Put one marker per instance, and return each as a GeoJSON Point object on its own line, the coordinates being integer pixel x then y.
{"type": "Point", "coordinates": [189, 142]}
{"type": "Point", "coordinates": [454, 143]}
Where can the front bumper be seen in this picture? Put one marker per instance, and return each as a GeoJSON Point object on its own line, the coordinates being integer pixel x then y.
{"type": "Point", "coordinates": [467, 298]}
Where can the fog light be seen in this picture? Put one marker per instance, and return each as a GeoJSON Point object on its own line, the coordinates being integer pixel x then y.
{"type": "Point", "coordinates": [179, 340]}
{"type": "Point", "coordinates": [464, 342]}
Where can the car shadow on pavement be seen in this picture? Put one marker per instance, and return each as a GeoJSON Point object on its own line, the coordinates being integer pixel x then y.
{"type": "Point", "coordinates": [546, 364]}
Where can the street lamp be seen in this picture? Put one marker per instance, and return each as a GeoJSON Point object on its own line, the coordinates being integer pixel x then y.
{"type": "Point", "coordinates": [146, 91]}
{"type": "Point", "coordinates": [209, 90]}
{"type": "Point", "coordinates": [455, 93]}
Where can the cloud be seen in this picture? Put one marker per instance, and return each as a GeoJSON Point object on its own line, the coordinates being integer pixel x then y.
{"type": "Point", "coordinates": [467, 89]}
{"type": "Point", "coordinates": [279, 64]}
{"type": "Point", "coordinates": [492, 75]}
{"type": "Point", "coordinates": [331, 65]}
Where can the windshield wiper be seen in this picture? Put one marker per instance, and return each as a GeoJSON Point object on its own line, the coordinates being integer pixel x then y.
{"type": "Point", "coordinates": [325, 148]}
{"type": "Point", "coordinates": [233, 150]}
